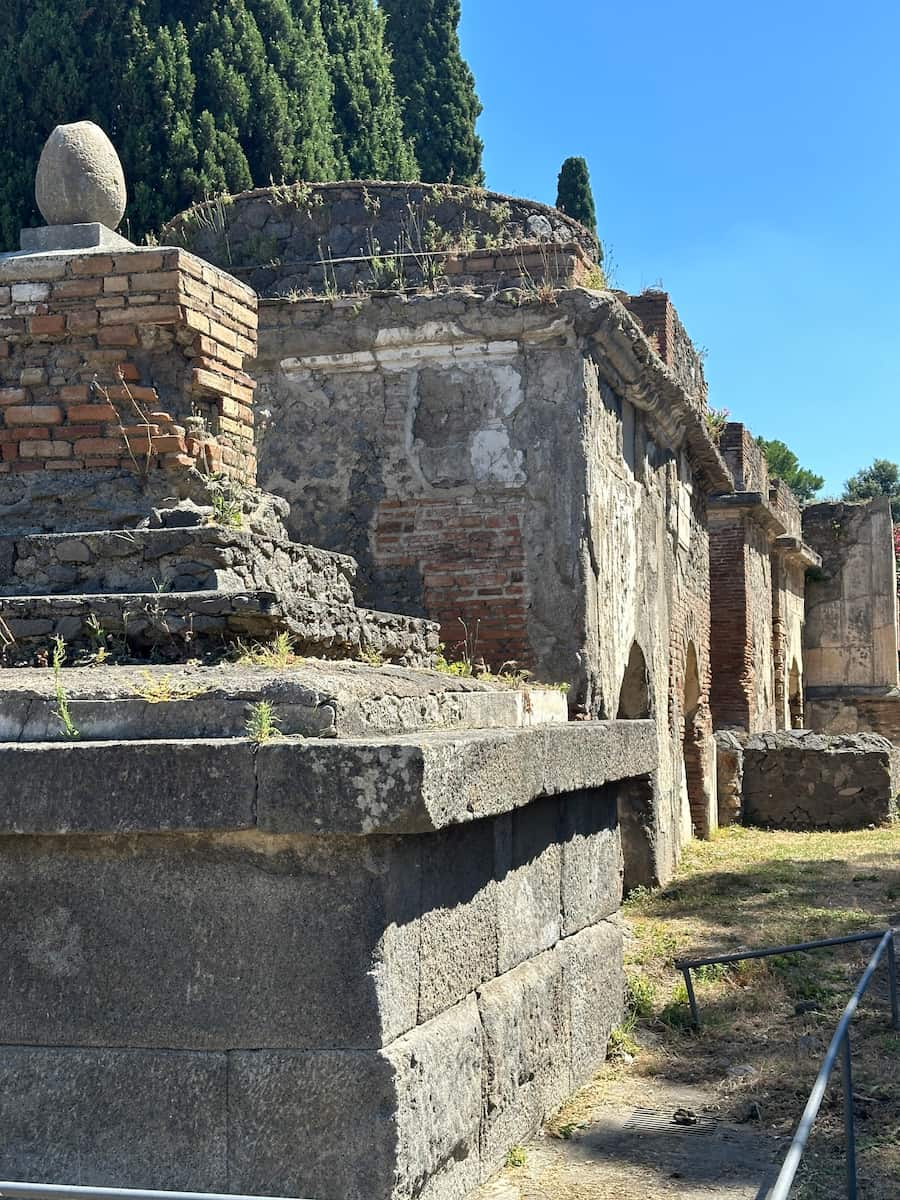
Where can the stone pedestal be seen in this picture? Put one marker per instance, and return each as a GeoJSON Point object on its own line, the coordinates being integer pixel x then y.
{"type": "Point", "coordinates": [340, 968]}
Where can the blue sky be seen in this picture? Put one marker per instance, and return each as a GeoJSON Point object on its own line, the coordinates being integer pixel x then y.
{"type": "Point", "coordinates": [746, 158]}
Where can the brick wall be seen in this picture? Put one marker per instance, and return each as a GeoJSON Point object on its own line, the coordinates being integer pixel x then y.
{"type": "Point", "coordinates": [744, 459]}
{"type": "Point", "coordinates": [125, 361]}
{"type": "Point", "coordinates": [469, 555]}
{"type": "Point", "coordinates": [532, 265]}
{"type": "Point", "coordinates": [731, 655]}
{"type": "Point", "coordinates": [660, 322]}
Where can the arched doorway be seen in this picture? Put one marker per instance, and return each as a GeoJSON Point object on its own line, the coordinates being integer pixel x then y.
{"type": "Point", "coordinates": [795, 696]}
{"type": "Point", "coordinates": [634, 695]}
{"type": "Point", "coordinates": [692, 739]}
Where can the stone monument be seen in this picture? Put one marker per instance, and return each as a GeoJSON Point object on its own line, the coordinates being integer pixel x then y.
{"type": "Point", "coordinates": [359, 959]}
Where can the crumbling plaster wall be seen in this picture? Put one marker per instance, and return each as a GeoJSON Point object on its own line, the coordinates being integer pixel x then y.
{"type": "Point", "coordinates": [851, 603]}
{"type": "Point", "coordinates": [475, 458]}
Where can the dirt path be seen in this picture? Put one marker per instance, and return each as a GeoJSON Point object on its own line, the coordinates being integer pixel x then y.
{"type": "Point", "coordinates": [739, 1086]}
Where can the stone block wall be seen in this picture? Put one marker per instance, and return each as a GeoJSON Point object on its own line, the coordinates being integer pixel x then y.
{"type": "Point", "coordinates": [123, 362]}
{"type": "Point", "coordinates": [173, 1017]}
{"type": "Point", "coordinates": [850, 638]}
{"type": "Point", "coordinates": [806, 780]}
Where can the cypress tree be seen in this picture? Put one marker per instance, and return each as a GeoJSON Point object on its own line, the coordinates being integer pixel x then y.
{"type": "Point", "coordinates": [437, 88]}
{"type": "Point", "coordinates": [368, 115]}
{"type": "Point", "coordinates": [574, 196]}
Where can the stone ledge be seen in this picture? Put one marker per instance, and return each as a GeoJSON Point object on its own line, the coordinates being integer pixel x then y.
{"type": "Point", "coordinates": [180, 619]}
{"type": "Point", "coordinates": [318, 698]}
{"type": "Point", "coordinates": [415, 783]}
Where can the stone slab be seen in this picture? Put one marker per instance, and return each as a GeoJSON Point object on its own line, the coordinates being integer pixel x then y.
{"type": "Point", "coordinates": [313, 698]}
{"type": "Point", "coordinates": [114, 1118]}
{"type": "Point", "coordinates": [416, 783]}
{"type": "Point", "coordinates": [214, 944]}
{"type": "Point", "coordinates": [111, 787]}
{"type": "Point", "coordinates": [89, 235]}
{"type": "Point", "coordinates": [420, 782]}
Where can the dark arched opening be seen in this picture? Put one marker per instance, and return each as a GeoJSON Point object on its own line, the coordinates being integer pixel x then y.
{"type": "Point", "coordinates": [795, 696]}
{"type": "Point", "coordinates": [691, 743]}
{"type": "Point", "coordinates": [634, 694]}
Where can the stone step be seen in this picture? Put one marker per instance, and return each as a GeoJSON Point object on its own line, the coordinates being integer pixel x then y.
{"type": "Point", "coordinates": [314, 699]}
{"type": "Point", "coordinates": [195, 558]}
{"type": "Point", "coordinates": [406, 784]}
{"type": "Point", "coordinates": [178, 623]}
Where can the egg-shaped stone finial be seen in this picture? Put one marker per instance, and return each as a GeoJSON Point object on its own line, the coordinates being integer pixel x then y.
{"type": "Point", "coordinates": [80, 178]}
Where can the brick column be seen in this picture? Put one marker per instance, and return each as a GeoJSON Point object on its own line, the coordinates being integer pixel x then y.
{"type": "Point", "coordinates": [129, 361]}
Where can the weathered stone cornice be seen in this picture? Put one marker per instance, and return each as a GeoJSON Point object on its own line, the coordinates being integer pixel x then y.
{"type": "Point", "coordinates": [633, 369]}
{"type": "Point", "coordinates": [795, 550]}
{"type": "Point", "coordinates": [751, 504]}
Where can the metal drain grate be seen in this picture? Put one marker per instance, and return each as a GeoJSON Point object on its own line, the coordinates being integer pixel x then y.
{"type": "Point", "coordinates": [651, 1120]}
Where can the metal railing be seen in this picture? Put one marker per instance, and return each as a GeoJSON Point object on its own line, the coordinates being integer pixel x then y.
{"type": "Point", "coordinates": [840, 1044]}
{"type": "Point", "coordinates": [58, 1191]}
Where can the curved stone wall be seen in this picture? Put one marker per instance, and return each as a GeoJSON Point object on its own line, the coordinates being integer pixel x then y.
{"type": "Point", "coordinates": [362, 236]}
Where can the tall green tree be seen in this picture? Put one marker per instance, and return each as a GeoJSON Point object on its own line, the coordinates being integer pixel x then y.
{"type": "Point", "coordinates": [437, 88]}
{"type": "Point", "coordinates": [882, 478]}
{"type": "Point", "coordinates": [206, 96]}
{"type": "Point", "coordinates": [573, 193]}
{"type": "Point", "coordinates": [368, 115]}
{"type": "Point", "coordinates": [783, 464]}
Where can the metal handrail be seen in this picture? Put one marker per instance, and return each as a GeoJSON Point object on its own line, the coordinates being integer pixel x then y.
{"type": "Point", "coordinates": [840, 1043]}
{"type": "Point", "coordinates": [58, 1191]}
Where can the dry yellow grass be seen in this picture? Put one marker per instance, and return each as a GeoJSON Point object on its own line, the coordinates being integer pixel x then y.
{"type": "Point", "coordinates": [757, 888]}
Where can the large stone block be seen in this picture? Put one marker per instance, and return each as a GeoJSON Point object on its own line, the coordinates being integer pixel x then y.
{"type": "Point", "coordinates": [458, 925]}
{"type": "Point", "coordinates": [527, 1053]}
{"type": "Point", "coordinates": [594, 982]}
{"type": "Point", "coordinates": [592, 863]}
{"type": "Point", "coordinates": [415, 1109]}
{"type": "Point", "coordinates": [114, 1118]}
{"type": "Point", "coordinates": [211, 943]}
{"type": "Point", "coordinates": [528, 865]}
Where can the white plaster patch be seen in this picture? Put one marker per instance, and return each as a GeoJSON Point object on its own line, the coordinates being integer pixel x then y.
{"type": "Point", "coordinates": [495, 460]}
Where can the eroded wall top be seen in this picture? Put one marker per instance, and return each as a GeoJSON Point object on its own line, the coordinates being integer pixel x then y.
{"type": "Point", "coordinates": [329, 237]}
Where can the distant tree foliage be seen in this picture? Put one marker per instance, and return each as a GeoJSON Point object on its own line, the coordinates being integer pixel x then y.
{"type": "Point", "coordinates": [437, 89]}
{"type": "Point", "coordinates": [368, 115]}
{"type": "Point", "coordinates": [198, 96]}
{"type": "Point", "coordinates": [573, 193]}
{"type": "Point", "coordinates": [881, 479]}
{"type": "Point", "coordinates": [783, 464]}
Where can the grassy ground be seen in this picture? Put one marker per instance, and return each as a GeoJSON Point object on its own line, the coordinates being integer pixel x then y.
{"type": "Point", "coordinates": [766, 1024]}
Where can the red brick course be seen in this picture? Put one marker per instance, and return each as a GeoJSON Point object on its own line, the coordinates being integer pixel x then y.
{"type": "Point", "coordinates": [94, 343]}
{"type": "Point", "coordinates": [469, 555]}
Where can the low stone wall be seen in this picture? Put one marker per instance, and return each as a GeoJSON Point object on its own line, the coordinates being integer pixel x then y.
{"type": "Point", "coordinates": [856, 712]}
{"type": "Point", "coordinates": [365, 235]}
{"type": "Point", "coordinates": [806, 780]}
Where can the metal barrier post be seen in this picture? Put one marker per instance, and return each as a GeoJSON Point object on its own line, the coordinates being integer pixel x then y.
{"type": "Point", "coordinates": [849, 1124]}
{"type": "Point", "coordinates": [892, 981]}
{"type": "Point", "coordinates": [692, 999]}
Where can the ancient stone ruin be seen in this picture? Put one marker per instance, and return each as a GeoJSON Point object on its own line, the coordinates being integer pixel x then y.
{"type": "Point", "coordinates": [267, 869]}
